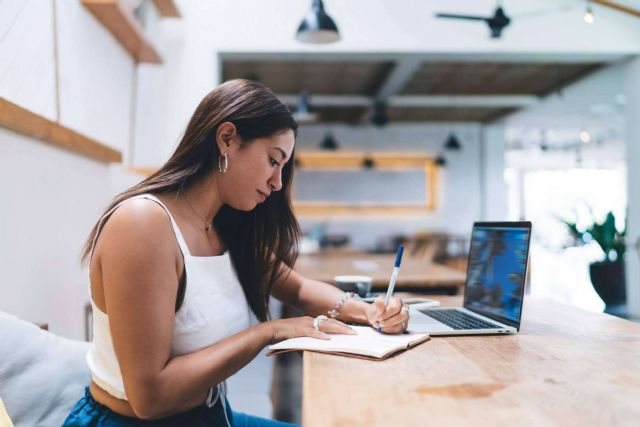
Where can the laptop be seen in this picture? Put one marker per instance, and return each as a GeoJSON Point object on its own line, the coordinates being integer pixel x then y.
{"type": "Point", "coordinates": [494, 287]}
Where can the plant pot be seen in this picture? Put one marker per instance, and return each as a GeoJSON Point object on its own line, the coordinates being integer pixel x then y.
{"type": "Point", "coordinates": [608, 279]}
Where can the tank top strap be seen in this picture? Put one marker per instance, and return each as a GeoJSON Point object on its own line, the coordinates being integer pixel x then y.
{"type": "Point", "coordinates": [179, 238]}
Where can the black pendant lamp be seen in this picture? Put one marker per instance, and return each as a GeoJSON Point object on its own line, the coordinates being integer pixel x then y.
{"type": "Point", "coordinates": [317, 27]}
{"type": "Point", "coordinates": [452, 143]}
{"type": "Point", "coordinates": [304, 111]}
{"type": "Point", "coordinates": [329, 143]}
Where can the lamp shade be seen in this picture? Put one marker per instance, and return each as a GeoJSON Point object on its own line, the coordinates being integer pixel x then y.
{"type": "Point", "coordinates": [329, 143]}
{"type": "Point", "coordinates": [452, 143]}
{"type": "Point", "coordinates": [317, 27]}
{"type": "Point", "coordinates": [304, 111]}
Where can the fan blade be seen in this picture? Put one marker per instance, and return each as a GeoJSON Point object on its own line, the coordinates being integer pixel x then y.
{"type": "Point", "coordinates": [453, 16]}
{"type": "Point", "coordinates": [543, 12]}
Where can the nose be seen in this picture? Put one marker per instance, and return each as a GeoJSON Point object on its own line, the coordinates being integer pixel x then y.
{"type": "Point", "coordinates": [275, 182]}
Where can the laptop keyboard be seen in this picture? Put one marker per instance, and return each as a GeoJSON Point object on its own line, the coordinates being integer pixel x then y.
{"type": "Point", "coordinates": [459, 320]}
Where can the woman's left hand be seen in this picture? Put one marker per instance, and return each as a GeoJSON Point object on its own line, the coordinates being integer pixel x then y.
{"type": "Point", "coordinates": [393, 319]}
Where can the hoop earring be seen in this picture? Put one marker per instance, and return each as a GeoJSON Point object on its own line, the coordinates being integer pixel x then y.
{"type": "Point", "coordinates": [222, 169]}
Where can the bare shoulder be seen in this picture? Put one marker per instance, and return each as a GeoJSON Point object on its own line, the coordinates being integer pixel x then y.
{"type": "Point", "coordinates": [139, 226]}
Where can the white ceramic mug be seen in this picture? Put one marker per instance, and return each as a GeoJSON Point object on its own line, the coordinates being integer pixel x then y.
{"type": "Point", "coordinates": [361, 285]}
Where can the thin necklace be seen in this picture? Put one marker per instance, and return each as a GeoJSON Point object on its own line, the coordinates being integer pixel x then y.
{"type": "Point", "coordinates": [207, 226]}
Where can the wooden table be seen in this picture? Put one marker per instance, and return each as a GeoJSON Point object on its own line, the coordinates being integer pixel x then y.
{"type": "Point", "coordinates": [566, 367]}
{"type": "Point", "coordinates": [415, 274]}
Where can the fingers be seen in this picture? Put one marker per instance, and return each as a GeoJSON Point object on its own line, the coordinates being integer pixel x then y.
{"type": "Point", "coordinates": [386, 313]}
{"type": "Point", "coordinates": [395, 305]}
{"type": "Point", "coordinates": [397, 323]}
{"type": "Point", "coordinates": [402, 317]}
{"type": "Point", "coordinates": [391, 310]}
{"type": "Point", "coordinates": [326, 327]}
{"type": "Point", "coordinates": [318, 334]}
{"type": "Point", "coordinates": [334, 326]}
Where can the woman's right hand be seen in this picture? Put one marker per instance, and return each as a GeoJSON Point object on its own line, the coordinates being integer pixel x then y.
{"type": "Point", "coordinates": [283, 329]}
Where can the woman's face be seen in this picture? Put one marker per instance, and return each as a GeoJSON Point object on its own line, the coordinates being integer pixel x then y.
{"type": "Point", "coordinates": [254, 169]}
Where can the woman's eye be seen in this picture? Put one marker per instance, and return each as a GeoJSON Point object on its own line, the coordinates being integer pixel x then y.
{"type": "Point", "coordinates": [274, 163]}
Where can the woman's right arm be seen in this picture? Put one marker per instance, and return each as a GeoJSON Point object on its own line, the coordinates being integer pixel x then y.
{"type": "Point", "coordinates": [139, 266]}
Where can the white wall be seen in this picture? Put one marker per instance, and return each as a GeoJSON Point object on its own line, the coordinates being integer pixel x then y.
{"type": "Point", "coordinates": [27, 67]}
{"type": "Point", "coordinates": [95, 73]}
{"type": "Point", "coordinates": [493, 200]}
{"type": "Point", "coordinates": [595, 104]}
{"type": "Point", "coordinates": [632, 89]}
{"type": "Point", "coordinates": [96, 77]}
{"type": "Point", "coordinates": [51, 197]}
{"type": "Point", "coordinates": [50, 201]}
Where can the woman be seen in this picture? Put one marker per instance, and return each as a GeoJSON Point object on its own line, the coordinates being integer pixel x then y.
{"type": "Point", "coordinates": [178, 262]}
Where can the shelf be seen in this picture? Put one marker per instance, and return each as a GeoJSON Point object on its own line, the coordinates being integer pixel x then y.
{"type": "Point", "coordinates": [23, 121]}
{"type": "Point", "coordinates": [322, 210]}
{"type": "Point", "coordinates": [167, 8]}
{"type": "Point", "coordinates": [354, 160]}
{"type": "Point", "coordinates": [145, 172]}
{"type": "Point", "coordinates": [335, 161]}
{"type": "Point", "coordinates": [123, 26]}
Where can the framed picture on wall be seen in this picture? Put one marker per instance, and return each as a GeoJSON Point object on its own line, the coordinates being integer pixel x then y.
{"type": "Point", "coordinates": [343, 183]}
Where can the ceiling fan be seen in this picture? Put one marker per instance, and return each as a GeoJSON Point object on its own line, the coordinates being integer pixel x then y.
{"type": "Point", "coordinates": [498, 22]}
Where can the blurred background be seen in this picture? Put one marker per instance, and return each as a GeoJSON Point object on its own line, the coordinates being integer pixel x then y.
{"type": "Point", "coordinates": [417, 118]}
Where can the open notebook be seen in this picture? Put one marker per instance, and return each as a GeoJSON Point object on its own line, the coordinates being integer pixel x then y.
{"type": "Point", "coordinates": [367, 344]}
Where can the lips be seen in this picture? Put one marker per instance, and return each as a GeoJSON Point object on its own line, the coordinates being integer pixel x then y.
{"type": "Point", "coordinates": [262, 195]}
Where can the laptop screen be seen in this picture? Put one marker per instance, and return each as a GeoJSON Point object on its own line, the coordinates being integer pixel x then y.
{"type": "Point", "coordinates": [497, 269]}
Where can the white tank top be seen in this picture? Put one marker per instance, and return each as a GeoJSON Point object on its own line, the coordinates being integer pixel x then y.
{"type": "Point", "coordinates": [214, 308]}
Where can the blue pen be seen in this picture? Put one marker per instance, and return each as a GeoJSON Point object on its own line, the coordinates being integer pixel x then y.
{"type": "Point", "coordinates": [392, 281]}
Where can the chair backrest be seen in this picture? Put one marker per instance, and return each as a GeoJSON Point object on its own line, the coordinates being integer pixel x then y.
{"type": "Point", "coordinates": [427, 246]}
{"type": "Point", "coordinates": [42, 375]}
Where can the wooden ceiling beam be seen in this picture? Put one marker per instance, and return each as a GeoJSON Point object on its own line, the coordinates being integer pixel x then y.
{"type": "Point", "coordinates": [398, 78]}
{"type": "Point", "coordinates": [330, 100]}
{"type": "Point", "coordinates": [417, 101]}
{"type": "Point", "coordinates": [394, 83]}
{"type": "Point", "coordinates": [463, 101]}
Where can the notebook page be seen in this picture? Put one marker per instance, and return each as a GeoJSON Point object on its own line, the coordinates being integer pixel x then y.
{"type": "Point", "coordinates": [366, 342]}
{"type": "Point", "coordinates": [406, 339]}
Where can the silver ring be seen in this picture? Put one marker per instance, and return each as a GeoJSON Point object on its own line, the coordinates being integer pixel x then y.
{"type": "Point", "coordinates": [317, 320]}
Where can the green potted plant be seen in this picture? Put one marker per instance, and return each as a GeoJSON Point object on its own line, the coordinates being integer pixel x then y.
{"type": "Point", "coordinates": [607, 274]}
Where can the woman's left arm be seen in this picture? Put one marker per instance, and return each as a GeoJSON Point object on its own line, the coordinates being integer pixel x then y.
{"type": "Point", "coordinates": [315, 298]}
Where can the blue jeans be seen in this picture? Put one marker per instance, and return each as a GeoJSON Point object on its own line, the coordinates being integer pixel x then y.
{"type": "Point", "coordinates": [89, 413]}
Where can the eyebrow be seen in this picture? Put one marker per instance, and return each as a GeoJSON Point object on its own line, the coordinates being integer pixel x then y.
{"type": "Point", "coordinates": [282, 153]}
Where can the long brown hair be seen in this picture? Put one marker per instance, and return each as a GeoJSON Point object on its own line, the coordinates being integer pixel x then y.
{"type": "Point", "coordinates": [259, 241]}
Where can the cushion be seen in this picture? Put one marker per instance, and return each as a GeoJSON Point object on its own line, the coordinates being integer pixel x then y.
{"type": "Point", "coordinates": [5, 421]}
{"type": "Point", "coordinates": [42, 375]}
